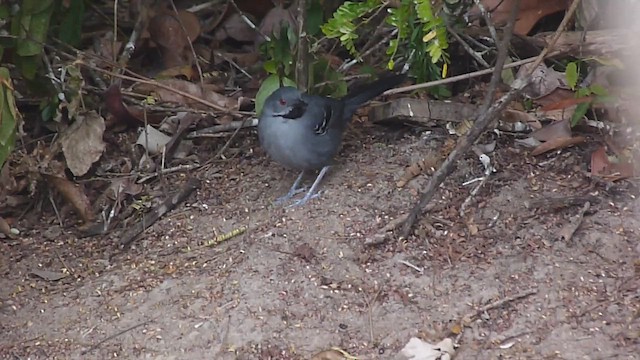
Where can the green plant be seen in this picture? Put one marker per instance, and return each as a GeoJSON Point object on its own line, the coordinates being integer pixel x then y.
{"type": "Point", "coordinates": [279, 66]}
{"type": "Point", "coordinates": [30, 22]}
{"type": "Point", "coordinates": [421, 36]}
{"type": "Point", "coordinates": [280, 52]}
{"type": "Point", "coordinates": [572, 75]}
{"type": "Point", "coordinates": [9, 116]}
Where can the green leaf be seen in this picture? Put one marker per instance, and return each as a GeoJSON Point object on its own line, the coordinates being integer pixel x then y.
{"type": "Point", "coordinates": [271, 66]}
{"type": "Point", "coordinates": [571, 73]}
{"type": "Point", "coordinates": [32, 26]}
{"type": "Point", "coordinates": [269, 85]}
{"type": "Point", "coordinates": [9, 116]}
{"type": "Point", "coordinates": [71, 23]}
{"type": "Point", "coordinates": [28, 65]}
{"type": "Point", "coordinates": [583, 92]}
{"type": "Point", "coordinates": [314, 17]}
{"type": "Point", "coordinates": [581, 111]}
{"type": "Point", "coordinates": [598, 90]}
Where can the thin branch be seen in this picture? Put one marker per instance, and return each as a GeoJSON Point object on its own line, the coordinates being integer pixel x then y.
{"type": "Point", "coordinates": [453, 79]}
{"type": "Point", "coordinates": [302, 53]}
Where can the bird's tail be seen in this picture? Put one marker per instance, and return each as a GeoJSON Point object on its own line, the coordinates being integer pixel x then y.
{"type": "Point", "coordinates": [364, 93]}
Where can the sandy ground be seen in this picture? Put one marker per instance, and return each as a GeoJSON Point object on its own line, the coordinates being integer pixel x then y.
{"type": "Point", "coordinates": [302, 280]}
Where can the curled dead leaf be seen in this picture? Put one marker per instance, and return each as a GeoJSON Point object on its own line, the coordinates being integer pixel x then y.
{"type": "Point", "coordinates": [74, 194]}
{"type": "Point", "coordinates": [82, 142]}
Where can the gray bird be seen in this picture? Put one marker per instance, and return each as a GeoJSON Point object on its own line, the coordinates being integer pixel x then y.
{"type": "Point", "coordinates": [304, 132]}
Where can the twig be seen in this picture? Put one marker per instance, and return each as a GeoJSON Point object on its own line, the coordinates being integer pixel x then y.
{"type": "Point", "coordinates": [457, 78]}
{"type": "Point", "coordinates": [138, 28]}
{"type": "Point", "coordinates": [115, 335]}
{"type": "Point", "coordinates": [155, 214]}
{"type": "Point", "coordinates": [249, 22]}
{"type": "Point", "coordinates": [184, 167]}
{"type": "Point", "coordinates": [65, 264]}
{"type": "Point", "coordinates": [140, 79]}
{"type": "Point", "coordinates": [233, 63]}
{"type": "Point", "coordinates": [487, 115]}
{"type": "Point", "coordinates": [487, 19]}
{"type": "Point", "coordinates": [503, 51]}
{"type": "Point", "coordinates": [557, 203]}
{"type": "Point", "coordinates": [222, 128]}
{"type": "Point", "coordinates": [567, 231]}
{"type": "Point", "coordinates": [382, 235]}
{"type": "Point", "coordinates": [226, 145]}
{"type": "Point", "coordinates": [370, 306]}
{"type": "Point", "coordinates": [469, 317]}
{"type": "Point", "coordinates": [418, 269]}
{"type": "Point", "coordinates": [483, 120]}
{"type": "Point", "coordinates": [346, 65]}
{"type": "Point", "coordinates": [468, 48]}
{"type": "Point", "coordinates": [55, 209]}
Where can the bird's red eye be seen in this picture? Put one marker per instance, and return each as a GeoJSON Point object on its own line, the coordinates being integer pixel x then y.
{"type": "Point", "coordinates": [283, 102]}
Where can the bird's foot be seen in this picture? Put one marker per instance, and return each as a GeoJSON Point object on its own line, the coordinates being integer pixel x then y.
{"type": "Point", "coordinates": [289, 195]}
{"type": "Point", "coordinates": [305, 199]}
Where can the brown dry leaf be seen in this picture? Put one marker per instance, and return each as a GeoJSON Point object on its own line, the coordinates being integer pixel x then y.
{"type": "Point", "coordinates": [555, 130]}
{"type": "Point", "coordinates": [5, 228]}
{"type": "Point", "coordinates": [599, 161]}
{"type": "Point", "coordinates": [275, 19]}
{"type": "Point", "coordinates": [123, 186]}
{"type": "Point", "coordinates": [529, 13]}
{"type": "Point", "coordinates": [166, 30]}
{"type": "Point", "coordinates": [516, 116]}
{"type": "Point", "coordinates": [603, 166]}
{"type": "Point", "coordinates": [555, 96]}
{"type": "Point", "coordinates": [235, 28]}
{"type": "Point", "coordinates": [559, 115]}
{"type": "Point", "coordinates": [426, 165]}
{"type": "Point", "coordinates": [567, 103]}
{"type": "Point", "coordinates": [49, 275]}
{"type": "Point", "coordinates": [117, 108]}
{"type": "Point", "coordinates": [74, 195]}
{"type": "Point", "coordinates": [558, 143]}
{"type": "Point", "coordinates": [82, 142]}
{"type": "Point", "coordinates": [544, 80]}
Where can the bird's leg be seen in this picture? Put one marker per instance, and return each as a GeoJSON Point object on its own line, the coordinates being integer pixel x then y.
{"type": "Point", "coordinates": [293, 191]}
{"type": "Point", "coordinates": [311, 194]}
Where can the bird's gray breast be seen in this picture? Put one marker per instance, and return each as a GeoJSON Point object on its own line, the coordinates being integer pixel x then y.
{"type": "Point", "coordinates": [303, 143]}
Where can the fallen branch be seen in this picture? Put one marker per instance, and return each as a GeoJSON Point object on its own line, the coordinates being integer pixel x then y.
{"type": "Point", "coordinates": [467, 319]}
{"type": "Point", "coordinates": [93, 347]}
{"type": "Point", "coordinates": [485, 118]}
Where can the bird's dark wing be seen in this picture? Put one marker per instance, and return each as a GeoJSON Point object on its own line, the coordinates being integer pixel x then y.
{"type": "Point", "coordinates": [324, 113]}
